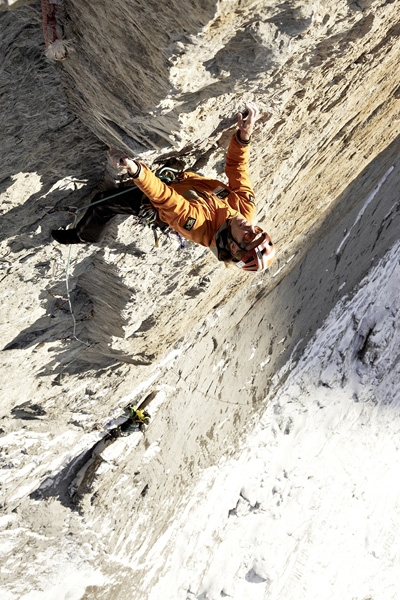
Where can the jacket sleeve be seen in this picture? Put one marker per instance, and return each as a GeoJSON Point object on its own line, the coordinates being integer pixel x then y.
{"type": "Point", "coordinates": [237, 171]}
{"type": "Point", "coordinates": [173, 208]}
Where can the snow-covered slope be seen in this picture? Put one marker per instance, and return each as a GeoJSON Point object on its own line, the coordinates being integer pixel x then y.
{"type": "Point", "coordinates": [307, 507]}
{"type": "Point", "coordinates": [310, 506]}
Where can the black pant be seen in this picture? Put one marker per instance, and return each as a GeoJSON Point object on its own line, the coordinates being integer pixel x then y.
{"type": "Point", "coordinates": [91, 226]}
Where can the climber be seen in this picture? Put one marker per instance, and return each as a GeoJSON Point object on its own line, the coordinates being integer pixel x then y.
{"type": "Point", "coordinates": [203, 210]}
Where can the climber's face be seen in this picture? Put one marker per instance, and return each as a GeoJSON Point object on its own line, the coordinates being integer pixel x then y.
{"type": "Point", "coordinates": [244, 235]}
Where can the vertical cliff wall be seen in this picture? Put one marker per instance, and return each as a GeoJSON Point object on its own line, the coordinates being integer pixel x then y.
{"type": "Point", "coordinates": [163, 83]}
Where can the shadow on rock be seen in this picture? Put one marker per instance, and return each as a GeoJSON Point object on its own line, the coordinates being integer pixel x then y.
{"type": "Point", "coordinates": [42, 210]}
{"type": "Point", "coordinates": [98, 297]}
{"type": "Point", "coordinates": [42, 135]}
{"type": "Point", "coordinates": [59, 486]}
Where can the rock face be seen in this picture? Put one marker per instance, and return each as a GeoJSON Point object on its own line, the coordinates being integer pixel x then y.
{"type": "Point", "coordinates": [164, 83]}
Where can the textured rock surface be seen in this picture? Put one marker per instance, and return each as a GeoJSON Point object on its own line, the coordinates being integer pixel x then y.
{"type": "Point", "coordinates": [159, 84]}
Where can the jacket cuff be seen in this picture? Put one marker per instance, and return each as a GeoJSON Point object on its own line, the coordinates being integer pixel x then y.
{"type": "Point", "coordinates": [139, 170]}
{"type": "Point", "coordinates": [242, 142]}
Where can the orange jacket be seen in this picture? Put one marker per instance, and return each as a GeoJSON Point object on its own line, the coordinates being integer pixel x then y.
{"type": "Point", "coordinates": [196, 206]}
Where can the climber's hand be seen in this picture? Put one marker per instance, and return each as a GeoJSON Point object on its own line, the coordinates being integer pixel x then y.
{"type": "Point", "coordinates": [121, 161]}
{"type": "Point", "coordinates": [117, 158]}
{"type": "Point", "coordinates": [246, 121]}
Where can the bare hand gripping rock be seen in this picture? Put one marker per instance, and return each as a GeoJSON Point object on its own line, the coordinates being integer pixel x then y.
{"type": "Point", "coordinates": [203, 210]}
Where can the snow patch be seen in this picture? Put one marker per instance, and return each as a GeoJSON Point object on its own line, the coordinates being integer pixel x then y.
{"type": "Point", "coordinates": [362, 211]}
